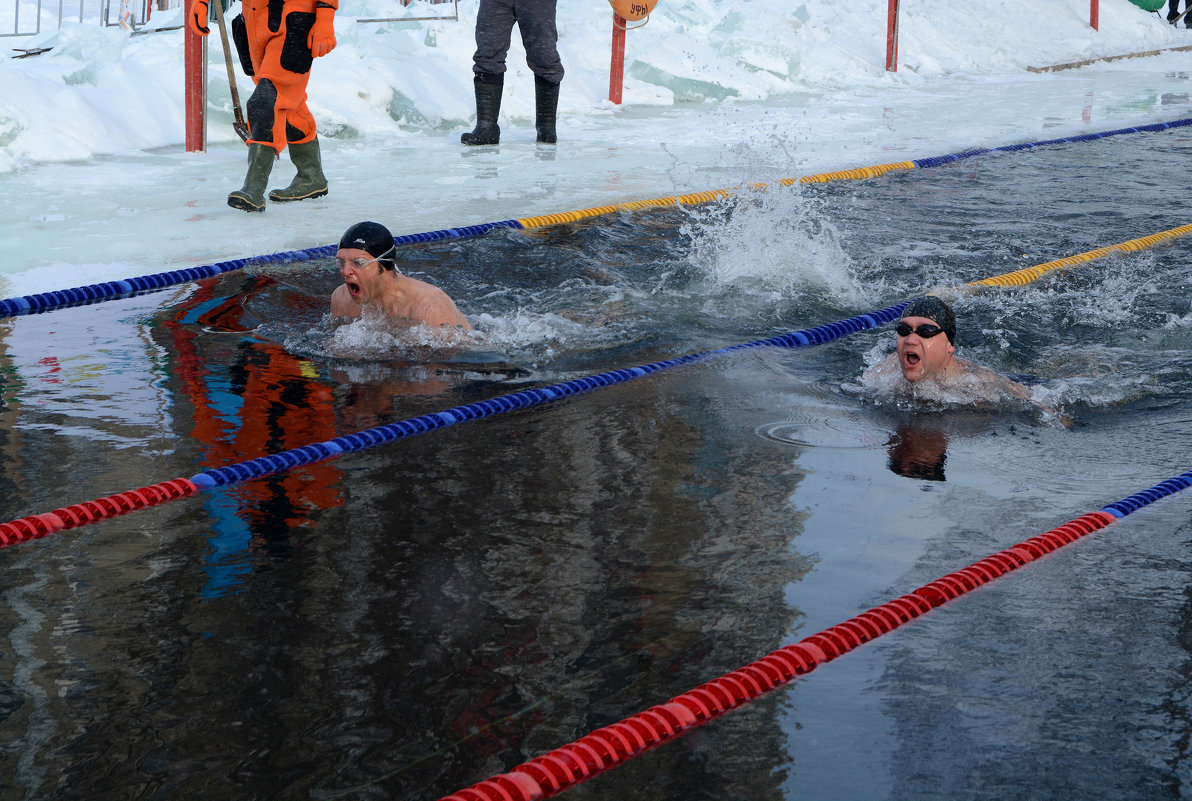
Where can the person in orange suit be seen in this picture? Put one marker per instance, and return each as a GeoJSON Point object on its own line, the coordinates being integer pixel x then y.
{"type": "Point", "coordinates": [277, 41]}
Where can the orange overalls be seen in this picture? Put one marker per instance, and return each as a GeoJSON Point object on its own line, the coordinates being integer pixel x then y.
{"type": "Point", "coordinates": [271, 38]}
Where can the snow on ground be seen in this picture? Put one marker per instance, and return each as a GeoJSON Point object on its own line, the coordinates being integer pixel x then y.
{"type": "Point", "coordinates": [715, 94]}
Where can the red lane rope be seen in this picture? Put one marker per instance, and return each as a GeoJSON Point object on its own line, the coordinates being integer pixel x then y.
{"type": "Point", "coordinates": [606, 748]}
{"type": "Point", "coordinates": [80, 514]}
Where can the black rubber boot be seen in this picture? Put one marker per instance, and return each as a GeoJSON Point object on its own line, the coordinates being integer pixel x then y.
{"type": "Point", "coordinates": [488, 105]}
{"type": "Point", "coordinates": [251, 197]}
{"type": "Point", "coordinates": [310, 181]}
{"type": "Point", "coordinates": [546, 103]}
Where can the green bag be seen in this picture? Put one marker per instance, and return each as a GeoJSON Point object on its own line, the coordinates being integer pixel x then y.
{"type": "Point", "coordinates": [1149, 5]}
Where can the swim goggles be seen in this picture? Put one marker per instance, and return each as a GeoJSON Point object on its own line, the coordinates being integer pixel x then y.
{"type": "Point", "coordinates": [925, 330]}
{"type": "Point", "coordinates": [361, 263]}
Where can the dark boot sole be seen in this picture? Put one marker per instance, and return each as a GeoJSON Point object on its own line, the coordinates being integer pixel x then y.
{"type": "Point", "coordinates": [484, 136]}
{"type": "Point", "coordinates": [242, 202]}
{"type": "Point", "coordinates": [276, 198]}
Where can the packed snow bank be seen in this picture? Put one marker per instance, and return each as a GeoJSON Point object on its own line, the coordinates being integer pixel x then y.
{"type": "Point", "coordinates": [100, 91]}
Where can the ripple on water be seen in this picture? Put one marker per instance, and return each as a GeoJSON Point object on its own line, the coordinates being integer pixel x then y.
{"type": "Point", "coordinates": [850, 430]}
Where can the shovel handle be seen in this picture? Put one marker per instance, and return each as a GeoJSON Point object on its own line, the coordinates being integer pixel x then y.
{"type": "Point", "coordinates": [239, 125]}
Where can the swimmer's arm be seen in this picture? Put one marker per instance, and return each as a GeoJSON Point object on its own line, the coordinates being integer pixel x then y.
{"type": "Point", "coordinates": [995, 381]}
{"type": "Point", "coordinates": [1012, 387]}
{"type": "Point", "coordinates": [342, 304]}
{"type": "Point", "coordinates": [1023, 392]}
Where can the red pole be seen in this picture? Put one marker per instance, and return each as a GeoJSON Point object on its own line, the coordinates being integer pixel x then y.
{"type": "Point", "coordinates": [1094, 13]}
{"type": "Point", "coordinates": [616, 70]}
{"type": "Point", "coordinates": [892, 36]}
{"type": "Point", "coordinates": [194, 66]}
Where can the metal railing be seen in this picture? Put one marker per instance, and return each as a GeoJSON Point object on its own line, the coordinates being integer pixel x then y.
{"type": "Point", "coordinates": [30, 17]}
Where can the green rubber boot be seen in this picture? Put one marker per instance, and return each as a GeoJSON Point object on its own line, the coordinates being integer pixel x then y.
{"type": "Point", "coordinates": [251, 197]}
{"type": "Point", "coordinates": [310, 181]}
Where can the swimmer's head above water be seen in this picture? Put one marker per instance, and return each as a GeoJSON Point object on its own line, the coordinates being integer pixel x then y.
{"type": "Point", "coordinates": [925, 363]}
{"type": "Point", "coordinates": [374, 239]}
{"type": "Point", "coordinates": [922, 352]}
{"type": "Point", "coordinates": [384, 288]}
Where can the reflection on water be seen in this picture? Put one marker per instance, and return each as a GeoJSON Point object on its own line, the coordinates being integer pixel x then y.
{"type": "Point", "coordinates": [405, 620]}
{"type": "Point", "coordinates": [917, 452]}
{"type": "Point", "coordinates": [262, 400]}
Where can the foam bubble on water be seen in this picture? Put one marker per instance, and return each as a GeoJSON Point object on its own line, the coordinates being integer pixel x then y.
{"type": "Point", "coordinates": [1101, 376]}
{"type": "Point", "coordinates": [520, 335]}
{"type": "Point", "coordinates": [523, 329]}
{"type": "Point", "coordinates": [1176, 322]}
{"type": "Point", "coordinates": [533, 337]}
{"type": "Point", "coordinates": [977, 388]}
{"type": "Point", "coordinates": [377, 337]}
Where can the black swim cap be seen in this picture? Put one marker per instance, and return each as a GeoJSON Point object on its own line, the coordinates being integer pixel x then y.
{"type": "Point", "coordinates": [373, 238]}
{"type": "Point", "coordinates": [935, 309]}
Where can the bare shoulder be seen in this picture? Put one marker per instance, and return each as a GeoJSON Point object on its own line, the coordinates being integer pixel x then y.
{"type": "Point", "coordinates": [435, 308]}
{"type": "Point", "coordinates": [994, 381]}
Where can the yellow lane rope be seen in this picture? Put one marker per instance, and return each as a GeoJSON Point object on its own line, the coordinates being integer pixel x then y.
{"type": "Point", "coordinates": [697, 198]}
{"type": "Point", "coordinates": [1029, 274]}
{"type": "Point", "coordinates": [1015, 278]}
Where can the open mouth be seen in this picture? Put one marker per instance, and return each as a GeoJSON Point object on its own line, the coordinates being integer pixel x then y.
{"type": "Point", "coordinates": [353, 288]}
{"type": "Point", "coordinates": [911, 359]}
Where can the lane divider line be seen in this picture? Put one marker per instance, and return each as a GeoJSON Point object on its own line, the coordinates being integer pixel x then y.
{"type": "Point", "coordinates": [39, 525]}
{"type": "Point", "coordinates": [111, 290]}
{"type": "Point", "coordinates": [608, 747]}
{"type": "Point", "coordinates": [1029, 274]}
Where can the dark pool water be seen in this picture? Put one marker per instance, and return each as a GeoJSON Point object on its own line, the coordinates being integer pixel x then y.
{"type": "Point", "coordinates": [406, 620]}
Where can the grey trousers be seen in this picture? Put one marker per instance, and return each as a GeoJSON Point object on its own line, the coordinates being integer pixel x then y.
{"type": "Point", "coordinates": [535, 20]}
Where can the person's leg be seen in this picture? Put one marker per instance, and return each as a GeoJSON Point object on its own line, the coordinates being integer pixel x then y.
{"type": "Point", "coordinates": [279, 117]}
{"type": "Point", "coordinates": [295, 62]}
{"type": "Point", "coordinates": [546, 104]}
{"type": "Point", "coordinates": [540, 36]}
{"type": "Point", "coordinates": [251, 196]}
{"type": "Point", "coordinates": [309, 181]}
{"type": "Point", "coordinates": [494, 26]}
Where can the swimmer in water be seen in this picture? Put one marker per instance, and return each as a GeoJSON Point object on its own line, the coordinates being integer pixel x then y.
{"type": "Point", "coordinates": [926, 358]}
{"type": "Point", "coordinates": [366, 260]}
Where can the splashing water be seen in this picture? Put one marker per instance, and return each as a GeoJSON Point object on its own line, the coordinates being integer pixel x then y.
{"type": "Point", "coordinates": [780, 242]}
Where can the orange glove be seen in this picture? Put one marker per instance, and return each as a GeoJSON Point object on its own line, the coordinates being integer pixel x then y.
{"type": "Point", "coordinates": [321, 39]}
{"type": "Point", "coordinates": [200, 12]}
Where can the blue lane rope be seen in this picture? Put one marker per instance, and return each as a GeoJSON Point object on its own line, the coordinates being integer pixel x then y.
{"type": "Point", "coordinates": [1133, 503]}
{"type": "Point", "coordinates": [285, 460]}
{"type": "Point", "coordinates": [1155, 127]}
{"type": "Point", "coordinates": [111, 290]}
{"type": "Point", "coordinates": [40, 525]}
